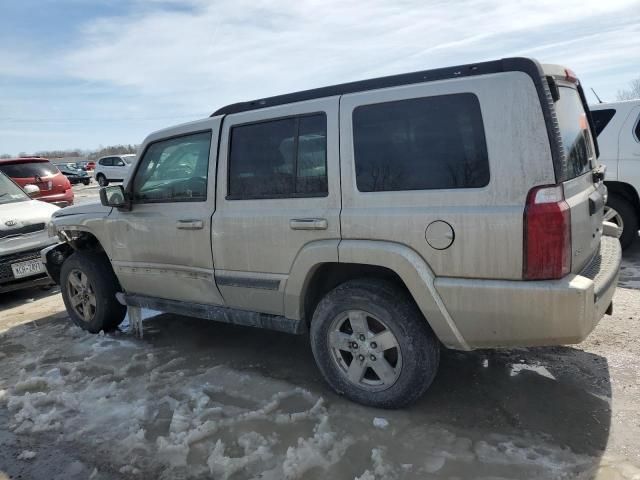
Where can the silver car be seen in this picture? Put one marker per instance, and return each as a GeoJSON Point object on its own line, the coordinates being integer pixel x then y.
{"type": "Point", "coordinates": [459, 208]}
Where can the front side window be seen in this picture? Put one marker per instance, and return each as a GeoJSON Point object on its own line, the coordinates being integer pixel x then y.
{"type": "Point", "coordinates": [420, 144]}
{"type": "Point", "coordinates": [174, 170]}
{"type": "Point", "coordinates": [279, 158]}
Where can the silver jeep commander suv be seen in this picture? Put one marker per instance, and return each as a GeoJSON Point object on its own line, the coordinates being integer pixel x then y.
{"type": "Point", "coordinates": [460, 207]}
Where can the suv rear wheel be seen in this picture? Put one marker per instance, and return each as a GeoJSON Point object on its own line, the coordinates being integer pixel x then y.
{"type": "Point", "coordinates": [102, 180]}
{"type": "Point", "coordinates": [89, 289]}
{"type": "Point", "coordinates": [373, 345]}
{"type": "Point", "coordinates": [626, 219]}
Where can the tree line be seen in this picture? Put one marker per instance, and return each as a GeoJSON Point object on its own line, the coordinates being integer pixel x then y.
{"type": "Point", "coordinates": [79, 153]}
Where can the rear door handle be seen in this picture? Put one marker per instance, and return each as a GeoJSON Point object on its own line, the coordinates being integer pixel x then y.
{"type": "Point", "coordinates": [190, 225]}
{"type": "Point", "coordinates": [308, 224]}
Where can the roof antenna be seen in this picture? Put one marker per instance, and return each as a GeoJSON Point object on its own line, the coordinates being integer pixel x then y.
{"type": "Point", "coordinates": [594, 92]}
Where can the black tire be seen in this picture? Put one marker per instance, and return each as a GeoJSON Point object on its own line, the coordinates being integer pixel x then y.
{"type": "Point", "coordinates": [86, 182]}
{"type": "Point", "coordinates": [419, 347]}
{"type": "Point", "coordinates": [108, 313]}
{"type": "Point", "coordinates": [629, 217]}
{"type": "Point", "coordinates": [102, 180]}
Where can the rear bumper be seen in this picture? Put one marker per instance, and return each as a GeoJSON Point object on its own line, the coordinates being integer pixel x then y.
{"type": "Point", "coordinates": [495, 313]}
{"type": "Point", "coordinates": [60, 199]}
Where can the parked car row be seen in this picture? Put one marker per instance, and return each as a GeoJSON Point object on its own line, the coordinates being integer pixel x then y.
{"type": "Point", "coordinates": [23, 234]}
{"type": "Point", "coordinates": [53, 186]}
{"type": "Point", "coordinates": [74, 174]}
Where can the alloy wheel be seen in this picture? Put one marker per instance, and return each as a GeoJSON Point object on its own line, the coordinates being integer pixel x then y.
{"type": "Point", "coordinates": [365, 350]}
{"type": "Point", "coordinates": [81, 295]}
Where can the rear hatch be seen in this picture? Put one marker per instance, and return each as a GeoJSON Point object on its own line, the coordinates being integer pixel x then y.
{"type": "Point", "coordinates": [584, 191]}
{"type": "Point", "coordinates": [37, 172]}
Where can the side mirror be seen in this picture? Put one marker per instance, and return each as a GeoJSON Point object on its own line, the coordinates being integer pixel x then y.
{"type": "Point", "coordinates": [113, 196]}
{"type": "Point", "coordinates": [32, 190]}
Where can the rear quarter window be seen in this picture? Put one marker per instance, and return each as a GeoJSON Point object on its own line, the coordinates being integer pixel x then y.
{"type": "Point", "coordinates": [601, 119]}
{"type": "Point", "coordinates": [420, 144]}
{"type": "Point", "coordinates": [29, 169]}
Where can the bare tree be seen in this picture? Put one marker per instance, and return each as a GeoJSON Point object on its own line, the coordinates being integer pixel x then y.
{"type": "Point", "coordinates": [632, 92]}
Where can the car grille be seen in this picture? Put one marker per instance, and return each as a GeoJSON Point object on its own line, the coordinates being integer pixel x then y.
{"type": "Point", "coordinates": [6, 274]}
{"type": "Point", "coordinates": [36, 227]}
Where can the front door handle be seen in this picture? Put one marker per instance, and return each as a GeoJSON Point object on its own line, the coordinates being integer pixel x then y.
{"type": "Point", "coordinates": [190, 225]}
{"type": "Point", "coordinates": [308, 224]}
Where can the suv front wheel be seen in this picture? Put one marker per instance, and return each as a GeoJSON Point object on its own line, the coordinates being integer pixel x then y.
{"type": "Point", "coordinates": [373, 345]}
{"type": "Point", "coordinates": [89, 289]}
{"type": "Point", "coordinates": [102, 180]}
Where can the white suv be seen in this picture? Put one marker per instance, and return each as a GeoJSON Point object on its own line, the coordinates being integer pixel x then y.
{"type": "Point", "coordinates": [618, 128]}
{"type": "Point", "coordinates": [113, 168]}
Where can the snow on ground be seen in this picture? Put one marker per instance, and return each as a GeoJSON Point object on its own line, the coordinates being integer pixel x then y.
{"type": "Point", "coordinates": [155, 411]}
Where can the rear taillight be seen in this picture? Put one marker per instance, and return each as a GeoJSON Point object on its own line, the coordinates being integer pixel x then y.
{"type": "Point", "coordinates": [547, 234]}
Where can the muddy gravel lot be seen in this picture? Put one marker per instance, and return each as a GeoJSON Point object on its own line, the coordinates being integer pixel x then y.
{"type": "Point", "coordinates": [197, 399]}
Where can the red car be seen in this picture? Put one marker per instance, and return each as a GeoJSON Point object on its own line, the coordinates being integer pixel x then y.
{"type": "Point", "coordinates": [54, 186]}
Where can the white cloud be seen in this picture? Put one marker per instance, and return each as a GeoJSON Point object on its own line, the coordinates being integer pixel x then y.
{"type": "Point", "coordinates": [238, 49]}
{"type": "Point", "coordinates": [166, 59]}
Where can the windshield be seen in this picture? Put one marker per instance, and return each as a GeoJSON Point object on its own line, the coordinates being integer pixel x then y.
{"type": "Point", "coordinates": [576, 137]}
{"type": "Point", "coordinates": [10, 192]}
{"type": "Point", "coordinates": [28, 169]}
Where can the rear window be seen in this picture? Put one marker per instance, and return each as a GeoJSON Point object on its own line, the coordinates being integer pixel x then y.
{"type": "Point", "coordinates": [601, 118]}
{"type": "Point", "coordinates": [576, 138]}
{"type": "Point", "coordinates": [420, 144]}
{"type": "Point", "coordinates": [29, 169]}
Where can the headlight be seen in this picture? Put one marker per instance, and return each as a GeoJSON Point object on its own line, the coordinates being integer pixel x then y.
{"type": "Point", "coordinates": [52, 230]}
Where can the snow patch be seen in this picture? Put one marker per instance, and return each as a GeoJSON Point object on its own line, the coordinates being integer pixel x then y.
{"type": "Point", "coordinates": [27, 455]}
{"type": "Point", "coordinates": [516, 368]}
{"type": "Point", "coordinates": [323, 450]}
{"type": "Point", "coordinates": [381, 423]}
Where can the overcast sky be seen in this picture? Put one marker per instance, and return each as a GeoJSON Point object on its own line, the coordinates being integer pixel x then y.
{"type": "Point", "coordinates": [81, 73]}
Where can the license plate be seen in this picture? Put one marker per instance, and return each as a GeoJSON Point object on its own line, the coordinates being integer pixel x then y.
{"type": "Point", "coordinates": [28, 268]}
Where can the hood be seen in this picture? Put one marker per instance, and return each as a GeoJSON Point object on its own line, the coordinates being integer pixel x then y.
{"type": "Point", "coordinates": [91, 208]}
{"type": "Point", "coordinates": [21, 214]}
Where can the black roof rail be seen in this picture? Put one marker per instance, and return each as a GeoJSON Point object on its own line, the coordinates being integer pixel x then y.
{"type": "Point", "coordinates": [529, 66]}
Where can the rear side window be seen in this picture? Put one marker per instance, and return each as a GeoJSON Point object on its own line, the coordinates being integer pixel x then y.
{"type": "Point", "coordinates": [574, 130]}
{"type": "Point", "coordinates": [601, 118]}
{"type": "Point", "coordinates": [285, 157]}
{"type": "Point", "coordinates": [637, 129]}
{"type": "Point", "coordinates": [106, 162]}
{"type": "Point", "coordinates": [29, 169]}
{"type": "Point", "coordinates": [420, 144]}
